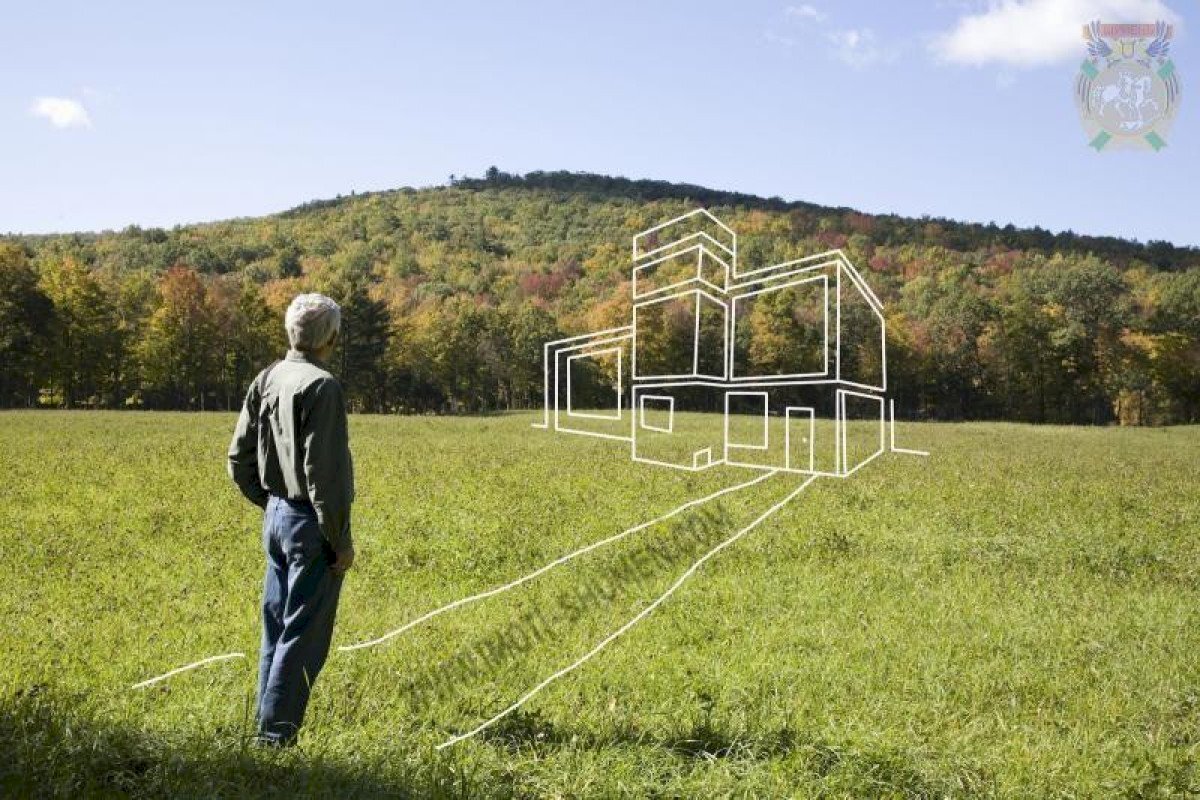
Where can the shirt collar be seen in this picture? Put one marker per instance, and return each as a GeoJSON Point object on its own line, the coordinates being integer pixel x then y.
{"type": "Point", "coordinates": [299, 355]}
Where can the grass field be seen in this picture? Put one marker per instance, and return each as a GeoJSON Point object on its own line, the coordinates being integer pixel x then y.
{"type": "Point", "coordinates": [1016, 616]}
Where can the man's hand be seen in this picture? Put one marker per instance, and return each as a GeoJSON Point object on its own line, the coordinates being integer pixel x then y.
{"type": "Point", "coordinates": [344, 561]}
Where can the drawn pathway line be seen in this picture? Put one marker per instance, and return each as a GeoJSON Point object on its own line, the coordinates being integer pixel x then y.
{"type": "Point", "coordinates": [491, 592]}
{"type": "Point", "coordinates": [564, 559]}
{"type": "Point", "coordinates": [200, 663]}
{"type": "Point", "coordinates": [642, 614]}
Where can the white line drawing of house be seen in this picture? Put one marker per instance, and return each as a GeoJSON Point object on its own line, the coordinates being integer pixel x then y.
{"type": "Point", "coordinates": [790, 359]}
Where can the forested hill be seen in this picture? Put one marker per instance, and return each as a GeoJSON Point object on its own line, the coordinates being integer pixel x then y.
{"type": "Point", "coordinates": [448, 293]}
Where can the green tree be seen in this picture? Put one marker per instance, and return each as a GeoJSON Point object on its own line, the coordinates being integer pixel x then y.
{"type": "Point", "coordinates": [179, 353]}
{"type": "Point", "coordinates": [84, 334]}
{"type": "Point", "coordinates": [362, 348]}
{"type": "Point", "coordinates": [248, 335]}
{"type": "Point", "coordinates": [25, 316]}
{"type": "Point", "coordinates": [131, 296]}
{"type": "Point", "coordinates": [527, 329]}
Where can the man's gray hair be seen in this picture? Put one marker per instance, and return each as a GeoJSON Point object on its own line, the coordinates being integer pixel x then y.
{"type": "Point", "coordinates": [311, 321]}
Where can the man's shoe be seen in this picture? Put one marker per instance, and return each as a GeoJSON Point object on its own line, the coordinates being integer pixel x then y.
{"type": "Point", "coordinates": [272, 742]}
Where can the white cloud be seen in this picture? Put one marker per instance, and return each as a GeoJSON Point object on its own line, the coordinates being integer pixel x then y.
{"type": "Point", "coordinates": [62, 112]}
{"type": "Point", "coordinates": [860, 48]}
{"type": "Point", "coordinates": [806, 11]}
{"type": "Point", "coordinates": [856, 47]}
{"type": "Point", "coordinates": [1030, 33]}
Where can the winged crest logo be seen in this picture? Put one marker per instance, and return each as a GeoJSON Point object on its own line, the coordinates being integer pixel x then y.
{"type": "Point", "coordinates": [1127, 89]}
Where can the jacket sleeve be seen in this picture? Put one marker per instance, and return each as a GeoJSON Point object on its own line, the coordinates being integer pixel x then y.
{"type": "Point", "coordinates": [327, 467]}
{"type": "Point", "coordinates": [243, 450]}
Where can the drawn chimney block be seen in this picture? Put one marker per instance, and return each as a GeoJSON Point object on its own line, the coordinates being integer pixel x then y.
{"type": "Point", "coordinates": [694, 251]}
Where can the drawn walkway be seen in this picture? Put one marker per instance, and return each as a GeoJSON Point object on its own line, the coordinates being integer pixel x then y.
{"type": "Point", "coordinates": [490, 592]}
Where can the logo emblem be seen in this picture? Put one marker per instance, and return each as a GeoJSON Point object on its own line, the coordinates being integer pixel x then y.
{"type": "Point", "coordinates": [1127, 89]}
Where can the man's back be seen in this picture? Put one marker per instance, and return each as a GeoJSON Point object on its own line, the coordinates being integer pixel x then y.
{"type": "Point", "coordinates": [291, 441]}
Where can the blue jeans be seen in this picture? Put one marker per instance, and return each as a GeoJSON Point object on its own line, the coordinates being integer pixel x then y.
{"type": "Point", "coordinates": [300, 597]}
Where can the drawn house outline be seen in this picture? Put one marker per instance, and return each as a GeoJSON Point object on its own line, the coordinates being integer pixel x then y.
{"type": "Point", "coordinates": [825, 417]}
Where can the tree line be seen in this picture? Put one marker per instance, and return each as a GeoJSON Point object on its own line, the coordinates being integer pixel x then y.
{"type": "Point", "coordinates": [76, 338]}
{"type": "Point", "coordinates": [448, 294]}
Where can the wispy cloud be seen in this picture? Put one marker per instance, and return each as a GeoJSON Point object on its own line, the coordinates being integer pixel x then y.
{"type": "Point", "coordinates": [778, 38]}
{"type": "Point", "coordinates": [860, 48]}
{"type": "Point", "coordinates": [856, 47]}
{"type": "Point", "coordinates": [1031, 33]}
{"type": "Point", "coordinates": [806, 11]}
{"type": "Point", "coordinates": [61, 112]}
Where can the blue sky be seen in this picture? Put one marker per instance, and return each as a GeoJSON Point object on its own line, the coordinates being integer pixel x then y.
{"type": "Point", "coordinates": [168, 113]}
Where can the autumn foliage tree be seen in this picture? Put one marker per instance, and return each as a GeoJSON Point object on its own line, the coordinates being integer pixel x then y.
{"type": "Point", "coordinates": [180, 352]}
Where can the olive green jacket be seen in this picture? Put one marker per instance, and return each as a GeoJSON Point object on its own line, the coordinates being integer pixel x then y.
{"type": "Point", "coordinates": [291, 441]}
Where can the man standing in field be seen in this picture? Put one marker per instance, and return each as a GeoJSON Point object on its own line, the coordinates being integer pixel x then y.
{"type": "Point", "coordinates": [291, 455]}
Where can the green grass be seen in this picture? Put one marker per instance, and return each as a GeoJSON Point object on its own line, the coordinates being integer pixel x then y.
{"type": "Point", "coordinates": [1016, 616]}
